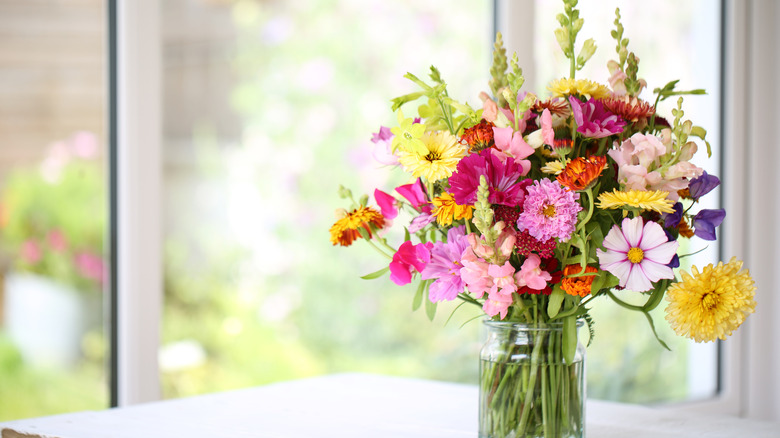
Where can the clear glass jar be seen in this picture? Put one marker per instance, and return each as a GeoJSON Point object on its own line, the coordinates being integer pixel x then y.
{"type": "Point", "coordinates": [527, 390]}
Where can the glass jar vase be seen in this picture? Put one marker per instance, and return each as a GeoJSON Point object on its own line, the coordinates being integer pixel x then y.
{"type": "Point", "coordinates": [527, 389]}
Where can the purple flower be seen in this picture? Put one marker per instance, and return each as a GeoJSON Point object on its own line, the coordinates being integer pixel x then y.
{"type": "Point", "coordinates": [593, 120]}
{"type": "Point", "coordinates": [705, 222]}
{"type": "Point", "coordinates": [549, 210]}
{"type": "Point", "coordinates": [671, 220]}
{"type": "Point", "coordinates": [702, 185]}
{"type": "Point", "coordinates": [503, 180]}
{"type": "Point", "coordinates": [384, 134]}
{"type": "Point", "coordinates": [444, 266]}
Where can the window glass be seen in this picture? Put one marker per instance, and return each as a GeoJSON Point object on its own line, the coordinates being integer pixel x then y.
{"type": "Point", "coordinates": [269, 106]}
{"type": "Point", "coordinates": [52, 207]}
{"type": "Point", "coordinates": [673, 40]}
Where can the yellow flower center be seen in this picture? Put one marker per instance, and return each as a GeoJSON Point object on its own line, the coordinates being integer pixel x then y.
{"type": "Point", "coordinates": [636, 255]}
{"type": "Point", "coordinates": [709, 300]}
{"type": "Point", "coordinates": [549, 210]}
{"type": "Point", "coordinates": [408, 136]}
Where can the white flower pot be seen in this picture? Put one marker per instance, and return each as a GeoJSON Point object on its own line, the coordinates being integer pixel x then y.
{"type": "Point", "coordinates": [47, 320]}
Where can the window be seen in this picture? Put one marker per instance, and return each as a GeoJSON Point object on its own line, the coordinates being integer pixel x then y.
{"type": "Point", "coordinates": [53, 185]}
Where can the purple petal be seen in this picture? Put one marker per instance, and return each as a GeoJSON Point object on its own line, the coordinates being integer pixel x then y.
{"type": "Point", "coordinates": [705, 222]}
{"type": "Point", "coordinates": [702, 185]}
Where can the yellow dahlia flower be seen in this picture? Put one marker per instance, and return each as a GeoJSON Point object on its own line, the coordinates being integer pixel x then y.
{"type": "Point", "coordinates": [347, 226]}
{"type": "Point", "coordinates": [442, 153]}
{"type": "Point", "coordinates": [712, 304]}
{"type": "Point", "coordinates": [584, 87]}
{"type": "Point", "coordinates": [642, 199]}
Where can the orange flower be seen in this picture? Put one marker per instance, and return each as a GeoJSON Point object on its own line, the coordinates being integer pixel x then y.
{"type": "Point", "coordinates": [345, 230]}
{"type": "Point", "coordinates": [577, 286]}
{"type": "Point", "coordinates": [580, 172]}
{"type": "Point", "coordinates": [479, 136]}
{"type": "Point", "coordinates": [446, 209]}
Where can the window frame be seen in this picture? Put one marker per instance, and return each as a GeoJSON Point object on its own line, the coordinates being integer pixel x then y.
{"type": "Point", "coordinates": [748, 386]}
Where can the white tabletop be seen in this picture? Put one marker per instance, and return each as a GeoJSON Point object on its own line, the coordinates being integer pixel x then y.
{"type": "Point", "coordinates": [356, 405]}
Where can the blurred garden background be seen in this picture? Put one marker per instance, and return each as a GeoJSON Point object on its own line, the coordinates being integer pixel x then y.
{"type": "Point", "coordinates": [268, 107]}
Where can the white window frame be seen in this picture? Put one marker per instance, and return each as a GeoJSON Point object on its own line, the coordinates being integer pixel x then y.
{"type": "Point", "coordinates": [750, 385]}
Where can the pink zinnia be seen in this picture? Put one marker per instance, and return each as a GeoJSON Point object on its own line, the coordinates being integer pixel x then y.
{"type": "Point", "coordinates": [637, 255]}
{"type": "Point", "coordinates": [408, 259]}
{"type": "Point", "coordinates": [445, 264]}
{"type": "Point", "coordinates": [593, 120]}
{"type": "Point", "coordinates": [549, 211]}
{"type": "Point", "coordinates": [503, 179]}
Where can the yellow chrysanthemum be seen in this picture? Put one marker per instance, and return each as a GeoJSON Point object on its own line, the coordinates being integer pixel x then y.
{"type": "Point", "coordinates": [446, 209]}
{"type": "Point", "coordinates": [346, 229]}
{"type": "Point", "coordinates": [712, 304]}
{"type": "Point", "coordinates": [442, 156]}
{"type": "Point", "coordinates": [642, 199]}
{"type": "Point", "coordinates": [584, 87]}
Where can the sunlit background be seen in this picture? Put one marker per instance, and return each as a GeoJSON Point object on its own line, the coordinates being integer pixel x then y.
{"type": "Point", "coordinates": [268, 107]}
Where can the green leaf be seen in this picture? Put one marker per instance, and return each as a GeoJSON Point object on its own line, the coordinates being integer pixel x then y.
{"type": "Point", "coordinates": [430, 308]}
{"type": "Point", "coordinates": [652, 326]}
{"type": "Point", "coordinates": [556, 299]}
{"type": "Point", "coordinates": [376, 274]}
{"type": "Point", "coordinates": [656, 296]}
{"type": "Point", "coordinates": [598, 282]}
{"type": "Point", "coordinates": [407, 235]}
{"type": "Point", "coordinates": [418, 296]}
{"type": "Point", "coordinates": [569, 339]}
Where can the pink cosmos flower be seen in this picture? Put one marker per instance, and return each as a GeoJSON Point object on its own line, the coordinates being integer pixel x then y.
{"type": "Point", "coordinates": [445, 264]}
{"type": "Point", "coordinates": [637, 253]}
{"type": "Point", "coordinates": [503, 179]}
{"type": "Point", "coordinates": [511, 144]}
{"type": "Point", "coordinates": [593, 120]}
{"type": "Point", "coordinates": [549, 210]}
{"type": "Point", "coordinates": [531, 274]}
{"type": "Point", "coordinates": [386, 203]}
{"type": "Point", "coordinates": [408, 259]}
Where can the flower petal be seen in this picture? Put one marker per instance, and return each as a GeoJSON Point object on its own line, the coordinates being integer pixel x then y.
{"type": "Point", "coordinates": [610, 257]}
{"type": "Point", "coordinates": [637, 281]}
{"type": "Point", "coordinates": [662, 253]}
{"type": "Point", "coordinates": [616, 241]}
{"type": "Point", "coordinates": [655, 271]}
{"type": "Point", "coordinates": [652, 236]}
{"type": "Point", "coordinates": [621, 270]}
{"type": "Point", "coordinates": [632, 230]}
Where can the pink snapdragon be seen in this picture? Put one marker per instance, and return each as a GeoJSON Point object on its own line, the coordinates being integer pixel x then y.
{"type": "Point", "coordinates": [531, 274]}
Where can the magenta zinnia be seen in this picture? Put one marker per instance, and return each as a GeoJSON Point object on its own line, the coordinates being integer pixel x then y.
{"type": "Point", "coordinates": [549, 210]}
{"type": "Point", "coordinates": [503, 180]}
{"type": "Point", "coordinates": [637, 254]}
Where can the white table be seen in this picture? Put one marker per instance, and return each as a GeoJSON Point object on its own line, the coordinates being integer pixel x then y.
{"type": "Point", "coordinates": [356, 405]}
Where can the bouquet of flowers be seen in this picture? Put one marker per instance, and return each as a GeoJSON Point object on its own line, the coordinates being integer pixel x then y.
{"type": "Point", "coordinates": [535, 205]}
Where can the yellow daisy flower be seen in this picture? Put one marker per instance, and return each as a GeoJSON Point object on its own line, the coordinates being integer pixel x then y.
{"type": "Point", "coordinates": [442, 153]}
{"type": "Point", "coordinates": [712, 304]}
{"type": "Point", "coordinates": [584, 87]}
{"type": "Point", "coordinates": [642, 199]}
{"type": "Point", "coordinates": [446, 209]}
